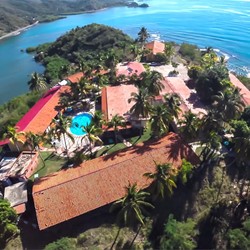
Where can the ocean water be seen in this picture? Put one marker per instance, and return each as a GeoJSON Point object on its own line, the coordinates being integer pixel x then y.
{"type": "Point", "coordinates": [222, 24]}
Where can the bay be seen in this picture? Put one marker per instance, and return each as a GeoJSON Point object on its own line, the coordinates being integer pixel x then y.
{"type": "Point", "coordinates": [222, 24]}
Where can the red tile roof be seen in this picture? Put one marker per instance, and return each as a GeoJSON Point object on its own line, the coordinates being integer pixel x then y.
{"type": "Point", "coordinates": [245, 92]}
{"type": "Point", "coordinates": [155, 47]}
{"type": "Point", "coordinates": [39, 117]}
{"type": "Point", "coordinates": [69, 193]}
{"type": "Point", "coordinates": [75, 78]}
{"type": "Point", "coordinates": [115, 99]}
{"type": "Point", "coordinates": [130, 68]}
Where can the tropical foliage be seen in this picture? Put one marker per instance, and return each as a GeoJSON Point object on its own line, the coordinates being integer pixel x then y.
{"type": "Point", "coordinates": [8, 220]}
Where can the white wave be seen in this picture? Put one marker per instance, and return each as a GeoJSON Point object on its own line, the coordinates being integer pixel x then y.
{"type": "Point", "coordinates": [155, 36]}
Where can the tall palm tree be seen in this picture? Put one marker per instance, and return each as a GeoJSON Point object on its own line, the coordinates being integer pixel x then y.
{"type": "Point", "coordinates": [92, 132]}
{"type": "Point", "coordinates": [98, 118]}
{"type": "Point", "coordinates": [14, 136]}
{"type": "Point", "coordinates": [160, 119]}
{"type": "Point", "coordinates": [37, 82]}
{"type": "Point", "coordinates": [169, 51]}
{"type": "Point", "coordinates": [132, 208]}
{"type": "Point", "coordinates": [152, 80]}
{"type": "Point", "coordinates": [143, 36]}
{"type": "Point", "coordinates": [189, 126]}
{"type": "Point", "coordinates": [61, 124]}
{"type": "Point", "coordinates": [229, 104]}
{"type": "Point", "coordinates": [33, 141]}
{"type": "Point", "coordinates": [142, 106]}
{"type": "Point", "coordinates": [163, 180]}
{"type": "Point", "coordinates": [116, 122]}
{"type": "Point", "coordinates": [172, 102]}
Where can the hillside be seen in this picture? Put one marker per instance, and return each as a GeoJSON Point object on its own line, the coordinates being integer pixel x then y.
{"type": "Point", "coordinates": [15, 14]}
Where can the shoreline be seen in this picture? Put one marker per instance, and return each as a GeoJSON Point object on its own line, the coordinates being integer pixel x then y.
{"type": "Point", "coordinates": [18, 31]}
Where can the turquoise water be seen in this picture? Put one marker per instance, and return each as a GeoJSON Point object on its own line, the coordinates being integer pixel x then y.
{"type": "Point", "coordinates": [79, 121]}
{"type": "Point", "coordinates": [224, 25]}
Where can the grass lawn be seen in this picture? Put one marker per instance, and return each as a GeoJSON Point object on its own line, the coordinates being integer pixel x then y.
{"type": "Point", "coordinates": [52, 164]}
{"type": "Point", "coordinates": [133, 140]}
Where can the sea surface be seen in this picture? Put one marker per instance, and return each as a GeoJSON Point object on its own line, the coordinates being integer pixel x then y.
{"type": "Point", "coordinates": [222, 24]}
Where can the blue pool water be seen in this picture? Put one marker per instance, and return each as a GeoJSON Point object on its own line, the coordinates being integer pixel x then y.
{"type": "Point", "coordinates": [79, 121]}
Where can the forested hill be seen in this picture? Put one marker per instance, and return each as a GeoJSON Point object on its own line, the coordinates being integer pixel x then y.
{"type": "Point", "coordinates": [15, 14]}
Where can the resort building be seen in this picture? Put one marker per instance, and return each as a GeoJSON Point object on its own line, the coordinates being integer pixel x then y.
{"type": "Point", "coordinates": [67, 194]}
{"type": "Point", "coordinates": [130, 68]}
{"type": "Point", "coordinates": [115, 98]}
{"type": "Point", "coordinates": [154, 47]}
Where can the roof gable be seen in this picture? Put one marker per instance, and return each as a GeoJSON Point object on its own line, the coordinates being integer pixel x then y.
{"type": "Point", "coordinates": [66, 194]}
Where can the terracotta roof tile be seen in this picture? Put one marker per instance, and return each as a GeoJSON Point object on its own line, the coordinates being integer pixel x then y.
{"type": "Point", "coordinates": [245, 92]}
{"type": "Point", "coordinates": [75, 78]}
{"type": "Point", "coordinates": [43, 116]}
{"type": "Point", "coordinates": [130, 68]}
{"type": "Point", "coordinates": [69, 193]}
{"type": "Point", "coordinates": [155, 47]}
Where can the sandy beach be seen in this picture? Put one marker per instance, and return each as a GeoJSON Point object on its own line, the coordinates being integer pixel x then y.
{"type": "Point", "coordinates": [18, 31]}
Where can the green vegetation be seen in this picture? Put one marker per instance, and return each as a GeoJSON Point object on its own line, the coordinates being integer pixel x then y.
{"type": "Point", "coordinates": [179, 235]}
{"type": "Point", "coordinates": [8, 220]}
{"type": "Point", "coordinates": [52, 163]}
{"type": "Point", "coordinates": [245, 80]}
{"type": "Point", "coordinates": [15, 14]}
{"type": "Point", "coordinates": [12, 111]}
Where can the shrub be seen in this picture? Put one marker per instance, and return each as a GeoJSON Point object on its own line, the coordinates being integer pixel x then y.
{"type": "Point", "coordinates": [61, 244]}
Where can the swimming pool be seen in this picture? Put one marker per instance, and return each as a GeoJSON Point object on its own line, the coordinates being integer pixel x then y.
{"type": "Point", "coordinates": [79, 121]}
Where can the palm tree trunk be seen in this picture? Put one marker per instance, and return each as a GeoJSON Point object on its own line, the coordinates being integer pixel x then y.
{"type": "Point", "coordinates": [64, 138]}
{"type": "Point", "coordinates": [116, 237]}
{"type": "Point", "coordinates": [138, 231]}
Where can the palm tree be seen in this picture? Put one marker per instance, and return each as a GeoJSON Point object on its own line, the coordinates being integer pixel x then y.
{"type": "Point", "coordinates": [142, 106]}
{"type": "Point", "coordinates": [98, 118]}
{"type": "Point", "coordinates": [169, 51]}
{"type": "Point", "coordinates": [61, 125]}
{"type": "Point", "coordinates": [13, 136]}
{"type": "Point", "coordinates": [116, 122]}
{"type": "Point", "coordinates": [132, 209]}
{"type": "Point", "coordinates": [172, 102]}
{"type": "Point", "coordinates": [92, 132]}
{"type": "Point", "coordinates": [229, 104]}
{"type": "Point", "coordinates": [160, 119]}
{"type": "Point", "coordinates": [189, 126]}
{"type": "Point", "coordinates": [163, 180]}
{"type": "Point", "coordinates": [33, 141]}
{"type": "Point", "coordinates": [152, 80]}
{"type": "Point", "coordinates": [37, 82]}
{"type": "Point", "coordinates": [143, 36]}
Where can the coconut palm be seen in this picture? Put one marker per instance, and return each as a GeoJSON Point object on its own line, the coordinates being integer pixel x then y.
{"type": "Point", "coordinates": [172, 102]}
{"type": "Point", "coordinates": [132, 208]}
{"type": "Point", "coordinates": [14, 136]}
{"type": "Point", "coordinates": [116, 122]}
{"type": "Point", "coordinates": [189, 126]}
{"type": "Point", "coordinates": [33, 141]}
{"type": "Point", "coordinates": [160, 119]}
{"type": "Point", "coordinates": [152, 80]}
{"type": "Point", "coordinates": [60, 128]}
{"type": "Point", "coordinates": [169, 51]}
{"type": "Point", "coordinates": [163, 180]}
{"type": "Point", "coordinates": [142, 106]}
{"type": "Point", "coordinates": [98, 118]}
{"type": "Point", "coordinates": [229, 104]}
{"type": "Point", "coordinates": [37, 82]}
{"type": "Point", "coordinates": [143, 36]}
{"type": "Point", "coordinates": [92, 133]}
